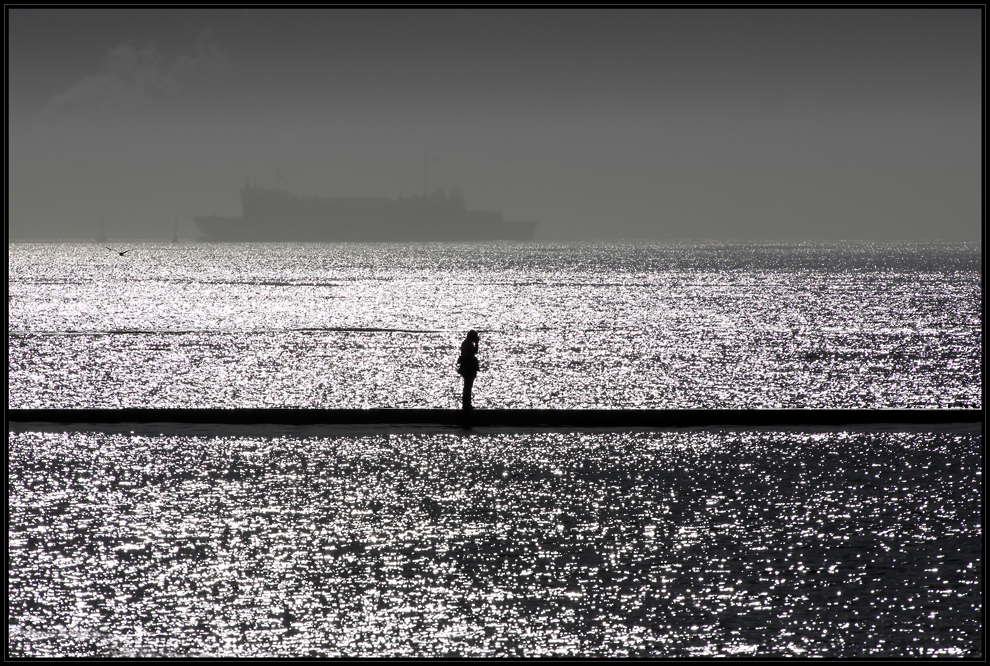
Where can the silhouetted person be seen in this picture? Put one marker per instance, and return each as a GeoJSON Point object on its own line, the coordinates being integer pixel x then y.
{"type": "Point", "coordinates": [467, 365]}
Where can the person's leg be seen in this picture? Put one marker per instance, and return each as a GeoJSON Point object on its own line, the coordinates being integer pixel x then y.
{"type": "Point", "coordinates": [466, 398]}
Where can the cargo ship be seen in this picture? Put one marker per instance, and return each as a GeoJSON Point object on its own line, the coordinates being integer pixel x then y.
{"type": "Point", "coordinates": [275, 215]}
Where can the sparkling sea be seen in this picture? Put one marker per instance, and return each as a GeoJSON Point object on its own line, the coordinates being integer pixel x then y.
{"type": "Point", "coordinates": [172, 540]}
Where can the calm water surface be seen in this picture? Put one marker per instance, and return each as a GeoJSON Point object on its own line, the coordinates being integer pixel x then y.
{"type": "Point", "coordinates": [176, 540]}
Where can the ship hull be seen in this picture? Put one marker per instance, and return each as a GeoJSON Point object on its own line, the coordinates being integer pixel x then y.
{"type": "Point", "coordinates": [229, 229]}
{"type": "Point", "coordinates": [275, 216]}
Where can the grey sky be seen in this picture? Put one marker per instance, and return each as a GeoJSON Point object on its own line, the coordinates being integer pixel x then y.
{"type": "Point", "coordinates": [660, 123]}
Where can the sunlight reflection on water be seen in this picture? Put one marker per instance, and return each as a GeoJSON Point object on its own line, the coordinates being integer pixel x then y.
{"type": "Point", "coordinates": [566, 326]}
{"type": "Point", "coordinates": [693, 543]}
{"type": "Point", "coordinates": [371, 542]}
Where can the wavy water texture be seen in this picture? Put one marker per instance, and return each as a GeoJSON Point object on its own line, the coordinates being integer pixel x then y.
{"type": "Point", "coordinates": [180, 540]}
{"type": "Point", "coordinates": [580, 325]}
{"type": "Point", "coordinates": [690, 544]}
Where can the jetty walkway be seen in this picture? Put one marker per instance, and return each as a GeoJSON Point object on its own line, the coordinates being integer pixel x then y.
{"type": "Point", "coordinates": [547, 418]}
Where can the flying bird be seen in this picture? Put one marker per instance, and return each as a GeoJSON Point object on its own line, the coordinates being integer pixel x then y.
{"type": "Point", "coordinates": [118, 251]}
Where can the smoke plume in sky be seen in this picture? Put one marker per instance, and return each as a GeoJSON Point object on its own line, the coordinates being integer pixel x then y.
{"type": "Point", "coordinates": [765, 124]}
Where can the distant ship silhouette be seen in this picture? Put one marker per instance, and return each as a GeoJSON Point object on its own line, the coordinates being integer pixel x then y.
{"type": "Point", "coordinates": [273, 215]}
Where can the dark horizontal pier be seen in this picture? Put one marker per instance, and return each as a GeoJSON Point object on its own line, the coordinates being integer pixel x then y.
{"type": "Point", "coordinates": [551, 418]}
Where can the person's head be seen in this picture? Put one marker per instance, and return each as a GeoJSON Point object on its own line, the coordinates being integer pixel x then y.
{"type": "Point", "coordinates": [472, 335]}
